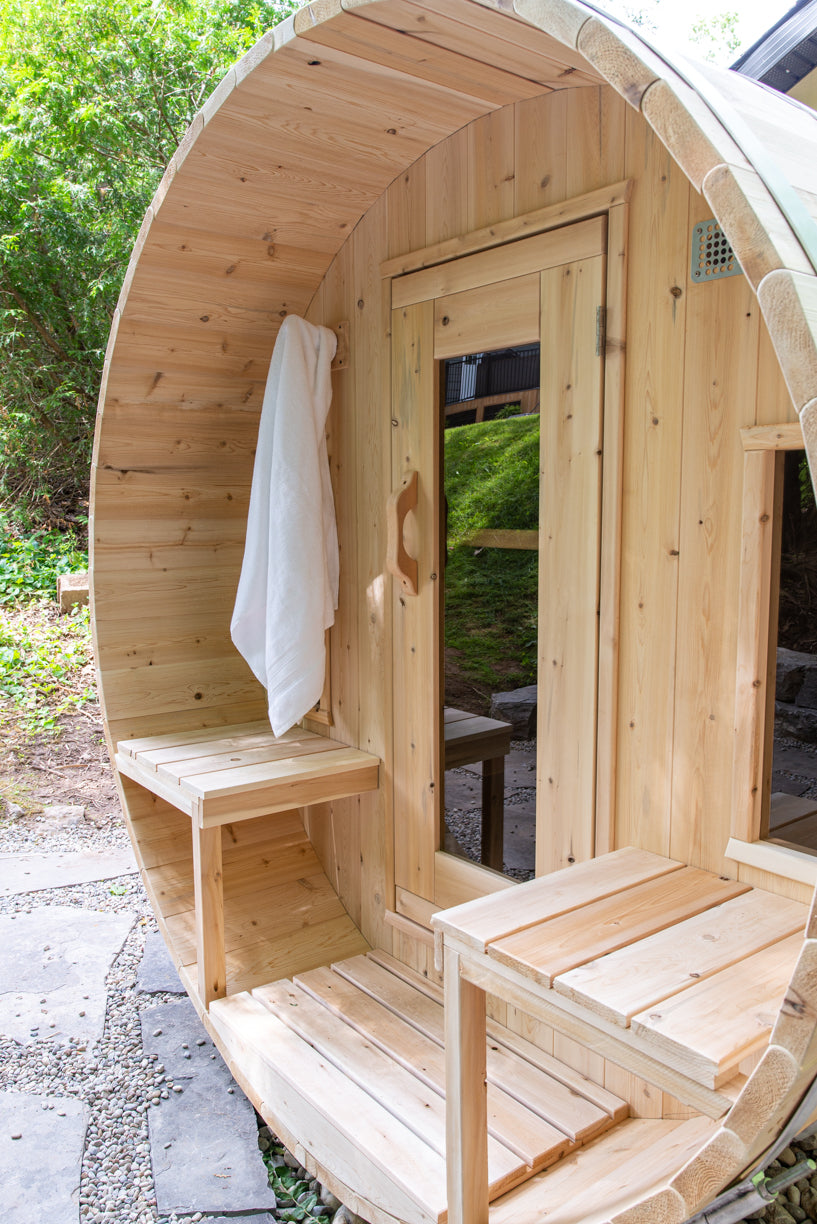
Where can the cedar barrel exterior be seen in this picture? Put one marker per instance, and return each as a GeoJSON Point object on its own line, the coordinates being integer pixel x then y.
{"type": "Point", "coordinates": [352, 135]}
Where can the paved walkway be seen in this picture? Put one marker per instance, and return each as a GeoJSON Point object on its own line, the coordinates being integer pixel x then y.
{"type": "Point", "coordinates": [114, 1104]}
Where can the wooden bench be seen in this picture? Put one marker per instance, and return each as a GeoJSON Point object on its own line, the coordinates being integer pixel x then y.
{"type": "Point", "coordinates": [232, 774]}
{"type": "Point", "coordinates": [470, 738]}
{"type": "Point", "coordinates": [671, 972]}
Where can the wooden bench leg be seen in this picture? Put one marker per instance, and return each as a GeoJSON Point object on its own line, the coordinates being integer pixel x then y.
{"type": "Point", "coordinates": [493, 813]}
{"type": "Point", "coordinates": [466, 1141]}
{"type": "Point", "coordinates": [209, 899]}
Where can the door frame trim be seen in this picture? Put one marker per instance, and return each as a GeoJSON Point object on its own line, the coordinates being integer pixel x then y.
{"type": "Point", "coordinates": [610, 202]}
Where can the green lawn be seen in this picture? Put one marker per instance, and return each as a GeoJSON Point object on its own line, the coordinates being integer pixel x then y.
{"type": "Point", "coordinates": [492, 482]}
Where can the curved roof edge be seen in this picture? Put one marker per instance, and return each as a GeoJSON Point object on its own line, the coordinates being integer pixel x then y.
{"type": "Point", "coordinates": [749, 151]}
{"type": "Point", "coordinates": [731, 137]}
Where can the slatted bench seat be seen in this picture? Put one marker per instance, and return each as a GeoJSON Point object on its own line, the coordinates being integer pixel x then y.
{"type": "Point", "coordinates": [232, 774]}
{"type": "Point", "coordinates": [350, 1064]}
{"type": "Point", "coordinates": [671, 972]}
{"type": "Point", "coordinates": [470, 738]}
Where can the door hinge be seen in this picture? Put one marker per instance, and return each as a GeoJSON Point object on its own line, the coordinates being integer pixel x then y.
{"type": "Point", "coordinates": [601, 329]}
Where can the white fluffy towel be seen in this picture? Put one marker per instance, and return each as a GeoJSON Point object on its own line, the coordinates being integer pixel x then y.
{"type": "Point", "coordinates": [288, 590]}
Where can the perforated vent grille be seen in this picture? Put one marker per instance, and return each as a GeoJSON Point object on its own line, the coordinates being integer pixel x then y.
{"type": "Point", "coordinates": [712, 256]}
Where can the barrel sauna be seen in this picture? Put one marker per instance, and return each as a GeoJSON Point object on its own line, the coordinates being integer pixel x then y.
{"type": "Point", "coordinates": [435, 182]}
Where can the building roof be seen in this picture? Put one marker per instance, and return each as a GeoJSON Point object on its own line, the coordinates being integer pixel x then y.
{"type": "Point", "coordinates": [787, 52]}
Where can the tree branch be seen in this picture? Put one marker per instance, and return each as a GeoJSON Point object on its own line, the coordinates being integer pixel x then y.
{"type": "Point", "coordinates": [42, 331]}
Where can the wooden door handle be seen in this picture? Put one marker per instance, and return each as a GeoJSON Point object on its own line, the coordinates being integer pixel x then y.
{"type": "Point", "coordinates": [398, 561]}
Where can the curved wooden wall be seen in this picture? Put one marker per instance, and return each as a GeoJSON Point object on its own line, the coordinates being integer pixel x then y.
{"type": "Point", "coordinates": [356, 132]}
{"type": "Point", "coordinates": [290, 155]}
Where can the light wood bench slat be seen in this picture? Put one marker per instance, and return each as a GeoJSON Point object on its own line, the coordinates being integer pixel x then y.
{"type": "Point", "coordinates": [491, 918]}
{"type": "Point", "coordinates": [529, 1111]}
{"type": "Point", "coordinates": [157, 757]}
{"type": "Point", "coordinates": [533, 1139]}
{"type": "Point", "coordinates": [234, 774]}
{"type": "Point", "coordinates": [611, 1041]}
{"type": "Point", "coordinates": [707, 1030]}
{"type": "Point", "coordinates": [533, 1054]}
{"type": "Point", "coordinates": [552, 948]}
{"type": "Point", "coordinates": [393, 1087]}
{"type": "Point", "coordinates": [162, 787]}
{"type": "Point", "coordinates": [275, 755]}
{"type": "Point", "coordinates": [713, 957]}
{"type": "Point", "coordinates": [641, 975]}
{"type": "Point", "coordinates": [349, 1080]}
{"type": "Point", "coordinates": [173, 739]}
{"type": "Point", "coordinates": [298, 769]}
{"type": "Point", "coordinates": [599, 1181]}
{"type": "Point", "coordinates": [329, 1115]}
{"type": "Point", "coordinates": [327, 762]}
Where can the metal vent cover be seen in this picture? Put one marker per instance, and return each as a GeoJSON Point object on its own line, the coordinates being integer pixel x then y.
{"type": "Point", "coordinates": [712, 255]}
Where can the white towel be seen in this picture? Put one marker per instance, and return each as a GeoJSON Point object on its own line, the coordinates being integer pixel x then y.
{"type": "Point", "coordinates": [288, 590]}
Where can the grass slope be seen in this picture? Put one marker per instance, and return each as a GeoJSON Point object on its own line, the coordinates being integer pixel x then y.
{"type": "Point", "coordinates": [491, 482]}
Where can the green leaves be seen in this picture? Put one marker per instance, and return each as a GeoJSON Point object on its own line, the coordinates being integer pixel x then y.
{"type": "Point", "coordinates": [296, 1202]}
{"type": "Point", "coordinates": [45, 664]}
{"type": "Point", "coordinates": [94, 97]}
{"type": "Point", "coordinates": [30, 564]}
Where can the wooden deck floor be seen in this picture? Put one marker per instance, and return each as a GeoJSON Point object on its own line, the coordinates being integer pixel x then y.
{"type": "Point", "coordinates": [341, 1048]}
{"type": "Point", "coordinates": [349, 1061]}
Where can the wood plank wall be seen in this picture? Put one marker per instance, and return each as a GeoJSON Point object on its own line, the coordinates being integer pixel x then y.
{"type": "Point", "coordinates": [699, 366]}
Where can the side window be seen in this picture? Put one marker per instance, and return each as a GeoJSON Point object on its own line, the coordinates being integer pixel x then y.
{"type": "Point", "coordinates": [774, 777]}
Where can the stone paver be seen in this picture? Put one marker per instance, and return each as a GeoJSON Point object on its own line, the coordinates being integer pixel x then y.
{"type": "Point", "coordinates": [23, 873]}
{"type": "Point", "coordinates": [520, 769]}
{"type": "Point", "coordinates": [157, 973]}
{"type": "Point", "coordinates": [519, 845]}
{"type": "Point", "coordinates": [462, 791]}
{"type": "Point", "coordinates": [204, 1140]}
{"type": "Point", "coordinates": [782, 782]}
{"type": "Point", "coordinates": [255, 1218]}
{"type": "Point", "coordinates": [794, 760]}
{"type": "Point", "coordinates": [40, 1170]}
{"type": "Point", "coordinates": [53, 963]}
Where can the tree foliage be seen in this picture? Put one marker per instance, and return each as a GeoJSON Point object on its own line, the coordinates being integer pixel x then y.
{"type": "Point", "coordinates": [717, 36]}
{"type": "Point", "coordinates": [94, 97]}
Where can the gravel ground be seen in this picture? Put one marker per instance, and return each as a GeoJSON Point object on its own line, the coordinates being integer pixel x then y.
{"type": "Point", "coordinates": [112, 1076]}
{"type": "Point", "coordinates": [798, 1204]}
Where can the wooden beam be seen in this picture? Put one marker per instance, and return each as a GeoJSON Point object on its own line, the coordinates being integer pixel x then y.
{"type": "Point", "coordinates": [209, 892]}
{"type": "Point", "coordinates": [591, 204]}
{"type": "Point", "coordinates": [525, 540]}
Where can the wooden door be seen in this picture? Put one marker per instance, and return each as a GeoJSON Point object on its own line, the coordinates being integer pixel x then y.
{"type": "Point", "coordinates": [551, 289]}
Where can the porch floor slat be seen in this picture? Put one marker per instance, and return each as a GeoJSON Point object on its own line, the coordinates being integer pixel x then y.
{"type": "Point", "coordinates": [388, 1050]}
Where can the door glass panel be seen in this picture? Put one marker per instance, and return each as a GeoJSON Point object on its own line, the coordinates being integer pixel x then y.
{"type": "Point", "coordinates": [490, 458]}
